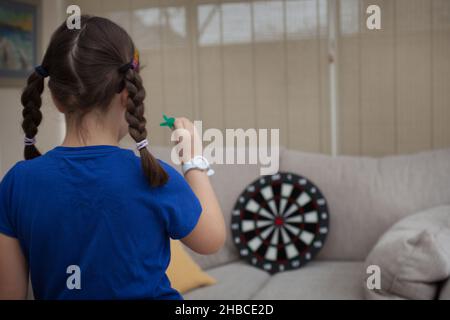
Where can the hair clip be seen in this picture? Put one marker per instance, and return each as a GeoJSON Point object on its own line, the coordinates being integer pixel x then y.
{"type": "Point", "coordinates": [40, 70]}
{"type": "Point", "coordinates": [135, 61]}
{"type": "Point", "coordinates": [142, 144]}
{"type": "Point", "coordinates": [134, 64]}
{"type": "Point", "coordinates": [29, 141]}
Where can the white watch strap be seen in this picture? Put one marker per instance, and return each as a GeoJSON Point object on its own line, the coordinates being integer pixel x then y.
{"type": "Point", "coordinates": [191, 165]}
{"type": "Point", "coordinates": [185, 169]}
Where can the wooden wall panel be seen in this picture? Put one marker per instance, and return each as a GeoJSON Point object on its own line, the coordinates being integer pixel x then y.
{"type": "Point", "coordinates": [270, 93]}
{"type": "Point", "coordinates": [269, 67]}
{"type": "Point", "coordinates": [211, 102]}
{"type": "Point", "coordinates": [303, 96]}
{"type": "Point", "coordinates": [378, 105]}
{"type": "Point", "coordinates": [441, 73]}
{"type": "Point", "coordinates": [88, 6]}
{"type": "Point", "coordinates": [413, 75]}
{"type": "Point", "coordinates": [148, 38]}
{"type": "Point", "coordinates": [393, 83]}
{"type": "Point", "coordinates": [238, 67]}
{"type": "Point", "coordinates": [303, 78]}
{"type": "Point", "coordinates": [349, 77]}
{"type": "Point", "coordinates": [239, 101]}
{"type": "Point", "coordinates": [155, 99]}
{"type": "Point", "coordinates": [177, 70]}
{"type": "Point", "coordinates": [324, 76]}
{"type": "Point", "coordinates": [210, 66]}
{"type": "Point", "coordinates": [116, 10]}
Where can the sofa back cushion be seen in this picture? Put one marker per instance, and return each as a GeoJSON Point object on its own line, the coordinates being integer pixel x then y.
{"type": "Point", "coordinates": [367, 195]}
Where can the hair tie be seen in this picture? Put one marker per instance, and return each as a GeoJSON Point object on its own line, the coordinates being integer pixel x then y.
{"type": "Point", "coordinates": [133, 64]}
{"type": "Point", "coordinates": [135, 61]}
{"type": "Point", "coordinates": [142, 144]}
{"type": "Point", "coordinates": [29, 141]}
{"type": "Point", "coordinates": [40, 70]}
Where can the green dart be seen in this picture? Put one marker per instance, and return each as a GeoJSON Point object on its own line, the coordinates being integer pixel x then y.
{"type": "Point", "coordinates": [168, 122]}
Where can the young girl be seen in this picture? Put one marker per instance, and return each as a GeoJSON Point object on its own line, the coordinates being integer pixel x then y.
{"type": "Point", "coordinates": [89, 220]}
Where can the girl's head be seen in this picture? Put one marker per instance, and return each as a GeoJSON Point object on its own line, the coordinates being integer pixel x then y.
{"type": "Point", "coordinates": [89, 70]}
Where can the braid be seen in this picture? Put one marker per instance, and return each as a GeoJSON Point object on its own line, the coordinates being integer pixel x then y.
{"type": "Point", "coordinates": [136, 127]}
{"type": "Point", "coordinates": [32, 115]}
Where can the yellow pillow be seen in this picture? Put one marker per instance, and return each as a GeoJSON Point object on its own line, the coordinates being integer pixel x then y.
{"type": "Point", "coordinates": [184, 274]}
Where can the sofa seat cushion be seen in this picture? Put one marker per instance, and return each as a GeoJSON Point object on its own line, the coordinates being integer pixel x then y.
{"type": "Point", "coordinates": [324, 280]}
{"type": "Point", "coordinates": [236, 280]}
{"type": "Point", "coordinates": [317, 280]}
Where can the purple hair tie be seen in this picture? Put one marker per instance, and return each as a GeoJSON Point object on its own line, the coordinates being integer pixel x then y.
{"type": "Point", "coordinates": [29, 141]}
{"type": "Point", "coordinates": [40, 70]}
{"type": "Point", "coordinates": [134, 64]}
{"type": "Point", "coordinates": [142, 144]}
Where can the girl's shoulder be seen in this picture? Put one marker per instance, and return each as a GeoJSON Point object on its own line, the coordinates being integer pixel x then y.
{"type": "Point", "coordinates": [12, 175]}
{"type": "Point", "coordinates": [12, 171]}
{"type": "Point", "coordinates": [29, 167]}
{"type": "Point", "coordinates": [25, 171]}
{"type": "Point", "coordinates": [19, 168]}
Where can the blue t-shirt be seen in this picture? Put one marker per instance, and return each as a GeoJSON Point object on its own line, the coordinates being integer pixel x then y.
{"type": "Point", "coordinates": [91, 226]}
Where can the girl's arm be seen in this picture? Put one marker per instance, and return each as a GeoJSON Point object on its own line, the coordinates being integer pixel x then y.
{"type": "Point", "coordinates": [209, 234]}
{"type": "Point", "coordinates": [13, 270]}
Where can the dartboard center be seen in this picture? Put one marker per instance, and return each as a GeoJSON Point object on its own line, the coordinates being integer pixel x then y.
{"type": "Point", "coordinates": [279, 221]}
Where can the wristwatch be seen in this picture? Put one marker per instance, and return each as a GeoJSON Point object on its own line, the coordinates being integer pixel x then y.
{"type": "Point", "coordinates": [197, 162]}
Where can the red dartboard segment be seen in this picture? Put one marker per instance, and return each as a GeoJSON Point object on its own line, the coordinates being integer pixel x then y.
{"type": "Point", "coordinates": [280, 222]}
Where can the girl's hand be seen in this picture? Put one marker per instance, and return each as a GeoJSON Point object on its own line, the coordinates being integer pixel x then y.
{"type": "Point", "coordinates": [209, 234]}
{"type": "Point", "coordinates": [184, 129]}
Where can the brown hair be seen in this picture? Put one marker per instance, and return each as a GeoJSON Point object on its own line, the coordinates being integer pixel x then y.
{"type": "Point", "coordinates": [83, 66]}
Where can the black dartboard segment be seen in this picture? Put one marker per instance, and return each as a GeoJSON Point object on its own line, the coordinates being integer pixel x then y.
{"type": "Point", "coordinates": [280, 222]}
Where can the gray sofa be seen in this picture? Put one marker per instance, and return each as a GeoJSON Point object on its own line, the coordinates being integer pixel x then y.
{"type": "Point", "coordinates": [365, 197]}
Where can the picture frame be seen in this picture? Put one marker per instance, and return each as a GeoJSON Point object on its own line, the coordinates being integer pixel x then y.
{"type": "Point", "coordinates": [19, 40]}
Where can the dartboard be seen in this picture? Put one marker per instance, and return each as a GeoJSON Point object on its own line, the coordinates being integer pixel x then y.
{"type": "Point", "coordinates": [280, 222]}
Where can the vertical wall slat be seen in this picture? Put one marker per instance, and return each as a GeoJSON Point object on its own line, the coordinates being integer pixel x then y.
{"type": "Point", "coordinates": [88, 6]}
{"type": "Point", "coordinates": [349, 78]}
{"type": "Point", "coordinates": [302, 58]}
{"type": "Point", "coordinates": [238, 66]}
{"type": "Point", "coordinates": [441, 73]}
{"type": "Point", "coordinates": [177, 70]}
{"type": "Point", "coordinates": [147, 37]}
{"type": "Point", "coordinates": [324, 76]}
{"type": "Point", "coordinates": [118, 11]}
{"type": "Point", "coordinates": [192, 32]}
{"type": "Point", "coordinates": [413, 75]}
{"type": "Point", "coordinates": [377, 83]}
{"type": "Point", "coordinates": [269, 71]}
{"type": "Point", "coordinates": [210, 66]}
